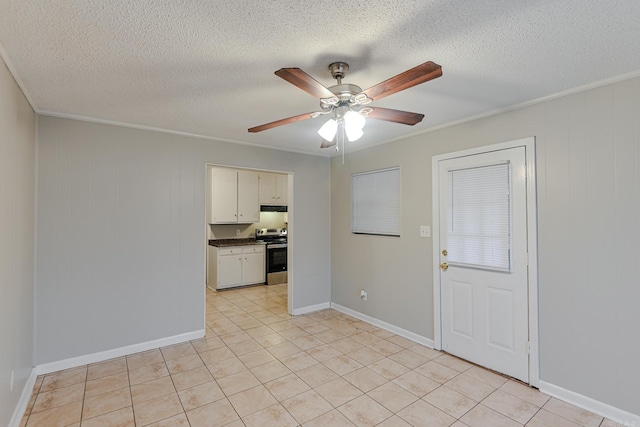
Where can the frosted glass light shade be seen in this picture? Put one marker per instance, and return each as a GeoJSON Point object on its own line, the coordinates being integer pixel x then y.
{"type": "Point", "coordinates": [353, 120]}
{"type": "Point", "coordinates": [353, 134]}
{"type": "Point", "coordinates": [328, 130]}
{"type": "Point", "coordinates": [353, 124]}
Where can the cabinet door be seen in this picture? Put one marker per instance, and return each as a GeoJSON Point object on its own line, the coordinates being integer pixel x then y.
{"type": "Point", "coordinates": [229, 271]}
{"type": "Point", "coordinates": [224, 196]}
{"type": "Point", "coordinates": [281, 193]}
{"type": "Point", "coordinates": [253, 268]}
{"type": "Point", "coordinates": [248, 201]}
{"type": "Point", "coordinates": [267, 188]}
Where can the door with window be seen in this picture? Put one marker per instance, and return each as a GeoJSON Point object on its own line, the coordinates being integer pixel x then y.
{"type": "Point", "coordinates": [483, 259]}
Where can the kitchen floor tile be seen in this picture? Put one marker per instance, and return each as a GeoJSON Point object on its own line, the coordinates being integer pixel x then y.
{"type": "Point", "coordinates": [470, 387]}
{"type": "Point", "coordinates": [138, 360]}
{"type": "Point", "coordinates": [120, 418]}
{"type": "Point", "coordinates": [270, 371]}
{"type": "Point", "coordinates": [60, 416]}
{"type": "Point", "coordinates": [450, 401]}
{"type": "Point", "coordinates": [332, 418]}
{"type": "Point", "coordinates": [252, 400]}
{"type": "Point", "coordinates": [421, 413]}
{"type": "Point", "coordinates": [511, 406]}
{"type": "Point", "coordinates": [572, 413]}
{"type": "Point", "coordinates": [152, 389]}
{"type": "Point", "coordinates": [104, 369]}
{"type": "Point", "coordinates": [364, 411]}
{"type": "Point", "coordinates": [106, 384]}
{"type": "Point", "coordinates": [192, 378]}
{"type": "Point", "coordinates": [338, 392]}
{"type": "Point", "coordinates": [392, 396]}
{"type": "Point", "coordinates": [58, 397]}
{"type": "Point", "coordinates": [274, 415]}
{"type": "Point", "coordinates": [218, 413]}
{"type": "Point", "coordinates": [481, 416]}
{"type": "Point", "coordinates": [306, 406]}
{"type": "Point", "coordinates": [200, 395]}
{"type": "Point", "coordinates": [236, 383]}
{"type": "Point", "coordinates": [288, 386]}
{"type": "Point", "coordinates": [416, 383]}
{"type": "Point", "coordinates": [436, 372]}
{"type": "Point", "coordinates": [526, 393]}
{"type": "Point", "coordinates": [316, 375]}
{"type": "Point", "coordinates": [107, 402]}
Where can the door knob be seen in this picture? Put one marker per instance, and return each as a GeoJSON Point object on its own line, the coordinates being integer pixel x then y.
{"type": "Point", "coordinates": [444, 266]}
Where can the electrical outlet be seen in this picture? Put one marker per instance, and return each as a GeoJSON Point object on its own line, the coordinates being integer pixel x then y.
{"type": "Point", "coordinates": [11, 381]}
{"type": "Point", "coordinates": [237, 231]}
{"type": "Point", "coordinates": [363, 295]}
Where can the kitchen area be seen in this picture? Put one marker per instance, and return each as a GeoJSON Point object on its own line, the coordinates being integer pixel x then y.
{"type": "Point", "coordinates": [247, 218]}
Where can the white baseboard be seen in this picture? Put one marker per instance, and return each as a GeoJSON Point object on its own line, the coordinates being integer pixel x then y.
{"type": "Point", "coordinates": [384, 325]}
{"type": "Point", "coordinates": [116, 352]}
{"type": "Point", "coordinates": [21, 407]}
{"type": "Point", "coordinates": [614, 414]}
{"type": "Point", "coordinates": [310, 309]}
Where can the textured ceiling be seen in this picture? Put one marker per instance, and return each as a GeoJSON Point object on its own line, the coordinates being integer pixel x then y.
{"type": "Point", "coordinates": [205, 67]}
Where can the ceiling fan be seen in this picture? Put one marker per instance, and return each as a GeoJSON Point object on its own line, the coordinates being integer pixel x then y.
{"type": "Point", "coordinates": [348, 104]}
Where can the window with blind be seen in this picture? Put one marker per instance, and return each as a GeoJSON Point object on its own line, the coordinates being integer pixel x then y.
{"type": "Point", "coordinates": [479, 223]}
{"type": "Point", "coordinates": [375, 202]}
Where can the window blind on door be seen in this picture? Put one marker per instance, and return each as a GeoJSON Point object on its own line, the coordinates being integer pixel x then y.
{"type": "Point", "coordinates": [375, 202]}
{"type": "Point", "coordinates": [479, 223]}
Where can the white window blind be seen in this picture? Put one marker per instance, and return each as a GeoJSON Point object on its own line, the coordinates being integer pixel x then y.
{"type": "Point", "coordinates": [479, 223]}
{"type": "Point", "coordinates": [375, 202]}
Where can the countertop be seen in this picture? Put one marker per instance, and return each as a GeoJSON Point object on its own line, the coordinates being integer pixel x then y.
{"type": "Point", "coordinates": [234, 242]}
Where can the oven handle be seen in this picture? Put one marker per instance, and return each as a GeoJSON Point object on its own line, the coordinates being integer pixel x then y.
{"type": "Point", "coordinates": [276, 246]}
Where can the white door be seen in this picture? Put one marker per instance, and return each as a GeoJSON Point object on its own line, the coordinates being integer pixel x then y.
{"type": "Point", "coordinates": [483, 256]}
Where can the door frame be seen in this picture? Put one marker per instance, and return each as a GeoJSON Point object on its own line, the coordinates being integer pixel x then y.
{"type": "Point", "coordinates": [532, 244]}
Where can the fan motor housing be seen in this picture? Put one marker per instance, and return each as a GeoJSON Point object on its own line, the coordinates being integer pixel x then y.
{"type": "Point", "coordinates": [345, 91]}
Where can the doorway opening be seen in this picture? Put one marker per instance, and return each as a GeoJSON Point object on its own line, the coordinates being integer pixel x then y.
{"type": "Point", "coordinates": [276, 190]}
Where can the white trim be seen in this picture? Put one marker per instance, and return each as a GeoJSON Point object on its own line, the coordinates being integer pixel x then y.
{"type": "Point", "coordinates": [12, 69]}
{"type": "Point", "coordinates": [25, 397]}
{"type": "Point", "coordinates": [603, 409]}
{"type": "Point", "coordinates": [532, 239]}
{"type": "Point", "coordinates": [384, 325]}
{"type": "Point", "coordinates": [170, 131]}
{"type": "Point", "coordinates": [594, 85]}
{"type": "Point", "coordinates": [116, 352]}
{"type": "Point", "coordinates": [310, 309]}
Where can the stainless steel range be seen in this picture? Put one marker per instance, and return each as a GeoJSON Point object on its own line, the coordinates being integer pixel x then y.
{"type": "Point", "coordinates": [276, 253]}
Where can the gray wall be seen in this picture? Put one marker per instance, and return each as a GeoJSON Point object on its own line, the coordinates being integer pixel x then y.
{"type": "Point", "coordinates": [17, 209]}
{"type": "Point", "coordinates": [588, 161]}
{"type": "Point", "coordinates": [121, 233]}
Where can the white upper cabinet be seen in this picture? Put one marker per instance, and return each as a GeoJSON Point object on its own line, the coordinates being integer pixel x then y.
{"type": "Point", "coordinates": [273, 189]}
{"type": "Point", "coordinates": [234, 196]}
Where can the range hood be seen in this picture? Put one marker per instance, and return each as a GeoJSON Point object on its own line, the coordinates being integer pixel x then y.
{"type": "Point", "coordinates": [273, 208]}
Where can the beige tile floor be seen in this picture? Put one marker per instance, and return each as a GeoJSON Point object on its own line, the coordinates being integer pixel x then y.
{"type": "Point", "coordinates": [258, 366]}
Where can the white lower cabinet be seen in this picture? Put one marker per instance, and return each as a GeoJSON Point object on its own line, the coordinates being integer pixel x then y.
{"type": "Point", "coordinates": [235, 266]}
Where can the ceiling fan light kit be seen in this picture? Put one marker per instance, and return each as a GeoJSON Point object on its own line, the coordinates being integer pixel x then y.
{"type": "Point", "coordinates": [345, 101]}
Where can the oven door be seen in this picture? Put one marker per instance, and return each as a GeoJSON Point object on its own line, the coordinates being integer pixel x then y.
{"type": "Point", "coordinates": [276, 264]}
{"type": "Point", "coordinates": [276, 258]}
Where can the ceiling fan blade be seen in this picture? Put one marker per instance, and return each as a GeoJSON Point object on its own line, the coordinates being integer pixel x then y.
{"type": "Point", "coordinates": [396, 116]}
{"type": "Point", "coordinates": [281, 122]}
{"type": "Point", "coordinates": [327, 144]}
{"type": "Point", "coordinates": [420, 74]}
{"type": "Point", "coordinates": [304, 81]}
